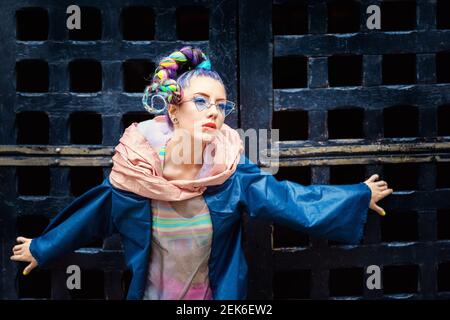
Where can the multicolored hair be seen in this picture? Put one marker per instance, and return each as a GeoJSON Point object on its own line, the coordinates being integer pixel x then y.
{"type": "Point", "coordinates": [173, 75]}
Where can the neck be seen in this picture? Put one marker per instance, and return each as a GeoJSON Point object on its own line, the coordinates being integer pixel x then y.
{"type": "Point", "coordinates": [189, 150]}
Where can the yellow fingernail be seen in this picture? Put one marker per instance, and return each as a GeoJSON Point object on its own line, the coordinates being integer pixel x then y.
{"type": "Point", "coordinates": [383, 213]}
{"type": "Point", "coordinates": [24, 273]}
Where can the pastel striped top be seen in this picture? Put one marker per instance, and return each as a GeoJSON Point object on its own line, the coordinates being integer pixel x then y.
{"type": "Point", "coordinates": [181, 246]}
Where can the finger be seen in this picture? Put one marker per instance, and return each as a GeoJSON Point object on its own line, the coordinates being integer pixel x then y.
{"type": "Point", "coordinates": [21, 239]}
{"type": "Point", "coordinates": [28, 269]}
{"type": "Point", "coordinates": [381, 183]}
{"type": "Point", "coordinates": [382, 188]}
{"type": "Point", "coordinates": [373, 178]}
{"type": "Point", "coordinates": [17, 257]}
{"type": "Point", "coordinates": [386, 192]}
{"type": "Point", "coordinates": [17, 247]}
{"type": "Point", "coordinates": [379, 210]}
{"type": "Point", "coordinates": [17, 252]}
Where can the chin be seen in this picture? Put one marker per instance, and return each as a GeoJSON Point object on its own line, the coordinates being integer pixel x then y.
{"type": "Point", "coordinates": [207, 137]}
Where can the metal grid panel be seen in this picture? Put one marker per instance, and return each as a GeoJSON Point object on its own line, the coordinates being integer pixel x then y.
{"type": "Point", "coordinates": [385, 118]}
{"type": "Point", "coordinates": [78, 91]}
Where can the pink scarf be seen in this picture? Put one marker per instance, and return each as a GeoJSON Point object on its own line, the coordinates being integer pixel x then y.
{"type": "Point", "coordinates": [137, 167]}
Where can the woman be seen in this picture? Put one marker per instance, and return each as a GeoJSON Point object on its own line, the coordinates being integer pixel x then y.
{"type": "Point", "coordinates": [178, 187]}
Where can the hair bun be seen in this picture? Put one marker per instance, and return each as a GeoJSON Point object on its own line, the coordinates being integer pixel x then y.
{"type": "Point", "coordinates": [164, 89]}
{"type": "Point", "coordinates": [206, 64]}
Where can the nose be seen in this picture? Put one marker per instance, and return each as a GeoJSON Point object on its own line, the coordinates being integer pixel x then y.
{"type": "Point", "coordinates": [213, 111]}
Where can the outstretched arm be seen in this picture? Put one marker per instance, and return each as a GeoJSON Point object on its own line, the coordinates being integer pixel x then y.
{"type": "Point", "coordinates": [86, 218]}
{"type": "Point", "coordinates": [336, 212]}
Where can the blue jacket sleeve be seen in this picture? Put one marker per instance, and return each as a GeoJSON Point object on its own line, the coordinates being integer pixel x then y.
{"type": "Point", "coordinates": [87, 218]}
{"type": "Point", "coordinates": [335, 212]}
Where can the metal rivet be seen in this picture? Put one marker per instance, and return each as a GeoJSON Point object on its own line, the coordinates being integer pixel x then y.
{"type": "Point", "coordinates": [58, 150]}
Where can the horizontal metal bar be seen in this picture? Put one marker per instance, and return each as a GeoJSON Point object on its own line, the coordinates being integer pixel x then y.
{"type": "Point", "coordinates": [266, 163]}
{"type": "Point", "coordinates": [356, 151]}
{"type": "Point", "coordinates": [289, 153]}
{"type": "Point", "coordinates": [384, 254]}
{"type": "Point", "coordinates": [89, 150]}
{"type": "Point", "coordinates": [100, 259]}
{"type": "Point", "coordinates": [102, 50]}
{"type": "Point", "coordinates": [362, 146]}
{"type": "Point", "coordinates": [368, 98]}
{"type": "Point", "coordinates": [286, 148]}
{"type": "Point", "coordinates": [363, 160]}
{"type": "Point", "coordinates": [56, 161]}
{"type": "Point", "coordinates": [306, 99]}
{"type": "Point", "coordinates": [112, 4]}
{"type": "Point", "coordinates": [382, 42]}
{"type": "Point", "coordinates": [63, 103]}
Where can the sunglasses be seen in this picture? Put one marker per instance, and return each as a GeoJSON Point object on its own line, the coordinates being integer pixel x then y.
{"type": "Point", "coordinates": [202, 103]}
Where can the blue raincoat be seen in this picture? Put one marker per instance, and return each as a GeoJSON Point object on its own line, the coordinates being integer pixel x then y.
{"type": "Point", "coordinates": [335, 212]}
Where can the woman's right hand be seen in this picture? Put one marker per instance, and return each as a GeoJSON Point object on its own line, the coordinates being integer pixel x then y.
{"type": "Point", "coordinates": [21, 252]}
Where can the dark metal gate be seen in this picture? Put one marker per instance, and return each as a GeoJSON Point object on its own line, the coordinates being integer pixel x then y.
{"type": "Point", "coordinates": [348, 101]}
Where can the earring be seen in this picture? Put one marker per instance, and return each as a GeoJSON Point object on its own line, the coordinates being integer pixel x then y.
{"type": "Point", "coordinates": [174, 120]}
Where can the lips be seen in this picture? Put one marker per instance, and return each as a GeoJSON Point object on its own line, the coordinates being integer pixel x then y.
{"type": "Point", "coordinates": [210, 125]}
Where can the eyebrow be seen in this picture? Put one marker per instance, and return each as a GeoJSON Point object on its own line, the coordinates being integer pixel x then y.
{"type": "Point", "coordinates": [205, 94]}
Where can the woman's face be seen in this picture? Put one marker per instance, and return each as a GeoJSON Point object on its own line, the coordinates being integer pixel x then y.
{"type": "Point", "coordinates": [192, 121]}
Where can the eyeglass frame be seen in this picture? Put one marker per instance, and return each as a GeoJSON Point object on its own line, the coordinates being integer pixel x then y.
{"type": "Point", "coordinates": [210, 104]}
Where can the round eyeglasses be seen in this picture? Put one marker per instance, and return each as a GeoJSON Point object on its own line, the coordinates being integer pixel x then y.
{"type": "Point", "coordinates": [225, 107]}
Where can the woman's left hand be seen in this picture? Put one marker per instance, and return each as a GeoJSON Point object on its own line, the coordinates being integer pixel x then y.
{"type": "Point", "coordinates": [379, 191]}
